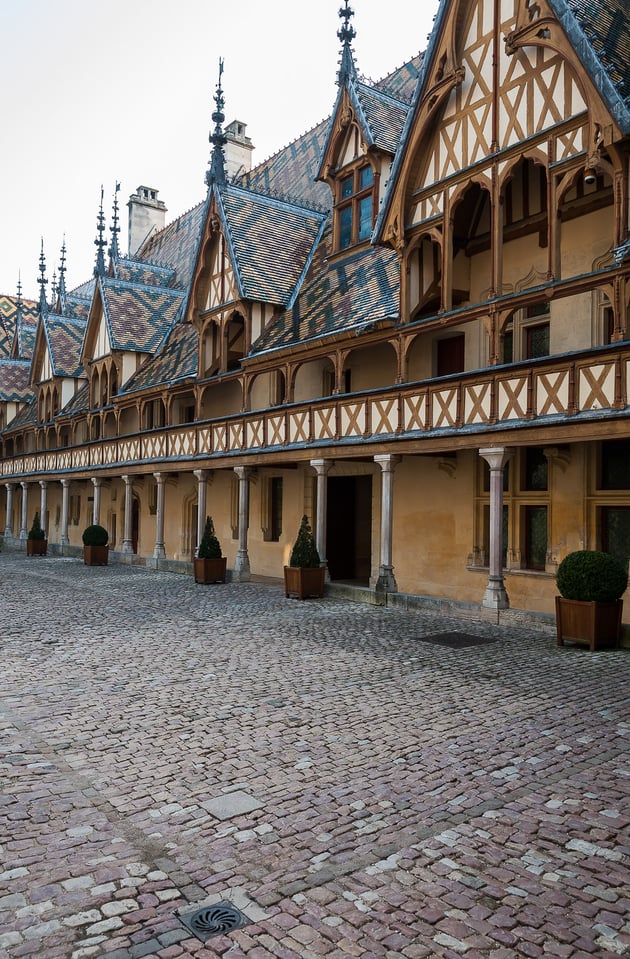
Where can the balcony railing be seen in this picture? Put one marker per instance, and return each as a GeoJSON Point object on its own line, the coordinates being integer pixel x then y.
{"type": "Point", "coordinates": [520, 393]}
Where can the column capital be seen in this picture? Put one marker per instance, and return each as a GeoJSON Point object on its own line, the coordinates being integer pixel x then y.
{"type": "Point", "coordinates": [497, 456]}
{"type": "Point", "coordinates": [65, 483]}
{"type": "Point", "coordinates": [244, 472]}
{"type": "Point", "coordinates": [321, 467]}
{"type": "Point", "coordinates": [9, 487]}
{"type": "Point", "coordinates": [97, 481]}
{"type": "Point", "coordinates": [387, 461]}
{"type": "Point", "coordinates": [43, 484]}
{"type": "Point", "coordinates": [127, 480]}
{"type": "Point", "coordinates": [159, 477]}
{"type": "Point", "coordinates": [201, 475]}
{"type": "Point", "coordinates": [23, 484]}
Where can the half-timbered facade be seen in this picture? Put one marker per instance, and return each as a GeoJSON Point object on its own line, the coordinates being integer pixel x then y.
{"type": "Point", "coordinates": [411, 324]}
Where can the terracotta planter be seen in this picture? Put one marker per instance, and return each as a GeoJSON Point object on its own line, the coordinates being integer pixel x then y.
{"type": "Point", "coordinates": [596, 625]}
{"type": "Point", "coordinates": [210, 570]}
{"type": "Point", "coordinates": [304, 581]}
{"type": "Point", "coordinates": [36, 547]}
{"type": "Point", "coordinates": [95, 555]}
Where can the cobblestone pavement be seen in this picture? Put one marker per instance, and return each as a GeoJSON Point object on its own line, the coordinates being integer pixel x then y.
{"type": "Point", "coordinates": [354, 789]}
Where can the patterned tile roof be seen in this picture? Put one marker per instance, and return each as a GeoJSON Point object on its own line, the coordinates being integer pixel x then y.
{"type": "Point", "coordinates": [176, 360]}
{"type": "Point", "coordinates": [79, 401]}
{"type": "Point", "coordinates": [14, 380]}
{"type": "Point", "coordinates": [291, 172]}
{"type": "Point", "coordinates": [271, 242]}
{"type": "Point", "coordinates": [384, 116]}
{"type": "Point", "coordinates": [147, 274]}
{"type": "Point", "coordinates": [606, 25]}
{"type": "Point", "coordinates": [85, 291]}
{"type": "Point", "coordinates": [64, 337]}
{"type": "Point", "coordinates": [8, 318]}
{"type": "Point", "coordinates": [25, 335]}
{"type": "Point", "coordinates": [27, 416]}
{"type": "Point", "coordinates": [138, 318]}
{"type": "Point", "coordinates": [77, 308]}
{"type": "Point", "coordinates": [346, 293]}
{"type": "Point", "coordinates": [176, 245]}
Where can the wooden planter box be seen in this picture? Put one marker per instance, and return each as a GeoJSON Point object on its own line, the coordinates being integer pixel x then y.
{"type": "Point", "coordinates": [36, 547]}
{"type": "Point", "coordinates": [303, 581]}
{"type": "Point", "coordinates": [596, 625]}
{"type": "Point", "coordinates": [210, 570]}
{"type": "Point", "coordinates": [95, 555]}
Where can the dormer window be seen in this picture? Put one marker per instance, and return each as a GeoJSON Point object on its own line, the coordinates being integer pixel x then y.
{"type": "Point", "coordinates": [355, 207]}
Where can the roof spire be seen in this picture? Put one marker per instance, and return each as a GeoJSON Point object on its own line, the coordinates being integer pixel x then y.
{"type": "Point", "coordinates": [346, 34]}
{"type": "Point", "coordinates": [18, 305]}
{"type": "Point", "coordinates": [99, 242]}
{"type": "Point", "coordinates": [218, 139]}
{"type": "Point", "coordinates": [53, 290]}
{"type": "Point", "coordinates": [43, 282]}
{"type": "Point", "coordinates": [62, 276]}
{"type": "Point", "coordinates": [114, 228]}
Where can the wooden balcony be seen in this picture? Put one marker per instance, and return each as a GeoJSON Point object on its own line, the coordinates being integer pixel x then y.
{"type": "Point", "coordinates": [595, 384]}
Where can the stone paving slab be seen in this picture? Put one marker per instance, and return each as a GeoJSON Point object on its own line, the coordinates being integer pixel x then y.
{"type": "Point", "coordinates": [379, 795]}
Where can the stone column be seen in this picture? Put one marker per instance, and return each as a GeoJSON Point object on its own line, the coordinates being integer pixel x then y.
{"type": "Point", "coordinates": [24, 522]}
{"type": "Point", "coordinates": [322, 467]}
{"type": "Point", "coordinates": [43, 485]}
{"type": "Point", "coordinates": [242, 572]}
{"type": "Point", "coordinates": [8, 527]}
{"type": "Point", "coordinates": [386, 582]}
{"type": "Point", "coordinates": [495, 596]}
{"type": "Point", "coordinates": [158, 550]}
{"type": "Point", "coordinates": [127, 543]}
{"type": "Point", "coordinates": [202, 499]}
{"type": "Point", "coordinates": [65, 493]}
{"type": "Point", "coordinates": [96, 505]}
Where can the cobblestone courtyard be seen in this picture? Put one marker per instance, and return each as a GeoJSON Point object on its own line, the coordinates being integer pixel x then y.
{"type": "Point", "coordinates": [354, 789]}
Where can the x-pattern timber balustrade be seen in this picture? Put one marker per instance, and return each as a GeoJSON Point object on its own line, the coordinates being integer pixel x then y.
{"type": "Point", "coordinates": [557, 386]}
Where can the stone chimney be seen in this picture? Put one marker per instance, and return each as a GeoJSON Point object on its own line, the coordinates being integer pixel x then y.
{"type": "Point", "coordinates": [238, 150]}
{"type": "Point", "coordinates": [147, 215]}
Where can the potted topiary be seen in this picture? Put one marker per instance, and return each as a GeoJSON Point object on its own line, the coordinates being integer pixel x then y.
{"type": "Point", "coordinates": [305, 575]}
{"type": "Point", "coordinates": [210, 566]}
{"type": "Point", "coordinates": [36, 544]}
{"type": "Point", "coordinates": [95, 548]}
{"type": "Point", "coordinates": [588, 610]}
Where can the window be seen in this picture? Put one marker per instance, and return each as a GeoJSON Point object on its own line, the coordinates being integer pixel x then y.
{"type": "Point", "coordinates": [615, 532]}
{"type": "Point", "coordinates": [536, 341]}
{"type": "Point", "coordinates": [355, 207]}
{"type": "Point", "coordinates": [615, 465]}
{"type": "Point", "coordinates": [450, 355]}
{"type": "Point", "coordinates": [535, 534]}
{"type": "Point", "coordinates": [535, 469]}
{"type": "Point", "coordinates": [276, 508]}
{"type": "Point", "coordinates": [526, 336]}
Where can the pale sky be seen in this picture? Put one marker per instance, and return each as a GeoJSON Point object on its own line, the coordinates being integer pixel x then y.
{"type": "Point", "coordinates": [93, 93]}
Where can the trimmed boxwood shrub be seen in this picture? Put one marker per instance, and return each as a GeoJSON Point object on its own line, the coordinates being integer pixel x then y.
{"type": "Point", "coordinates": [304, 551]}
{"type": "Point", "coordinates": [36, 531]}
{"type": "Point", "coordinates": [95, 536]}
{"type": "Point", "coordinates": [589, 575]}
{"type": "Point", "coordinates": [209, 547]}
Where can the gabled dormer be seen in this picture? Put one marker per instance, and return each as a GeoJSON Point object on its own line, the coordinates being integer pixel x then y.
{"type": "Point", "coordinates": [362, 139]}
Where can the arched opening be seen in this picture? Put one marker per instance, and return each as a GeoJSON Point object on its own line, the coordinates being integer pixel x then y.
{"type": "Point", "coordinates": [471, 246]}
{"type": "Point", "coordinates": [370, 367]}
{"type": "Point", "coordinates": [234, 342]}
{"type": "Point", "coordinates": [525, 222]}
{"type": "Point", "coordinates": [267, 390]}
{"type": "Point", "coordinates": [221, 399]}
{"type": "Point", "coordinates": [314, 380]}
{"type": "Point", "coordinates": [424, 271]}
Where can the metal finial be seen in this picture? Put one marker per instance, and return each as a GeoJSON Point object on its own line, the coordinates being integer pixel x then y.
{"type": "Point", "coordinates": [61, 289]}
{"type": "Point", "coordinates": [43, 282]}
{"type": "Point", "coordinates": [115, 228]}
{"type": "Point", "coordinates": [346, 34]}
{"type": "Point", "coordinates": [218, 139]}
{"type": "Point", "coordinates": [53, 288]}
{"type": "Point", "coordinates": [99, 242]}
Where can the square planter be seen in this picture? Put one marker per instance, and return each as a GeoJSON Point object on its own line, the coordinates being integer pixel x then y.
{"type": "Point", "coordinates": [596, 625]}
{"type": "Point", "coordinates": [95, 555]}
{"type": "Point", "coordinates": [36, 547]}
{"type": "Point", "coordinates": [210, 570]}
{"type": "Point", "coordinates": [304, 581]}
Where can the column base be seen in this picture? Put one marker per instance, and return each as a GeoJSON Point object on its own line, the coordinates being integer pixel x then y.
{"type": "Point", "coordinates": [159, 552]}
{"type": "Point", "coordinates": [495, 596]}
{"type": "Point", "coordinates": [386, 582]}
{"type": "Point", "coordinates": [241, 572]}
{"type": "Point", "coordinates": [127, 546]}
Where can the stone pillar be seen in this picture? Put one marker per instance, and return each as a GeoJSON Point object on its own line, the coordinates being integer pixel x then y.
{"type": "Point", "coordinates": [96, 505]}
{"type": "Point", "coordinates": [202, 499]}
{"type": "Point", "coordinates": [65, 494]}
{"type": "Point", "coordinates": [241, 572]}
{"type": "Point", "coordinates": [495, 596]}
{"type": "Point", "coordinates": [127, 543]}
{"type": "Point", "coordinates": [8, 527]}
{"type": "Point", "coordinates": [24, 522]}
{"type": "Point", "coordinates": [43, 485]}
{"type": "Point", "coordinates": [322, 467]}
{"type": "Point", "coordinates": [158, 549]}
{"type": "Point", "coordinates": [386, 582]}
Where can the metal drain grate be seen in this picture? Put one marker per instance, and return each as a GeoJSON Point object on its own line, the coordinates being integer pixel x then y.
{"type": "Point", "coordinates": [216, 920]}
{"type": "Point", "coordinates": [456, 640]}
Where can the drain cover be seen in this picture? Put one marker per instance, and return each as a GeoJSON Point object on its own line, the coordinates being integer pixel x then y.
{"type": "Point", "coordinates": [216, 920]}
{"type": "Point", "coordinates": [456, 640]}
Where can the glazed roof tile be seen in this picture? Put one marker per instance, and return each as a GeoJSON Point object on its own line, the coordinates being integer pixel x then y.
{"type": "Point", "coordinates": [77, 308]}
{"type": "Point", "coordinates": [78, 402]}
{"type": "Point", "coordinates": [64, 337]}
{"type": "Point", "coordinates": [138, 318]}
{"type": "Point", "coordinates": [14, 380]}
{"type": "Point", "coordinates": [341, 295]}
{"type": "Point", "coordinates": [176, 245]}
{"type": "Point", "coordinates": [271, 243]}
{"type": "Point", "coordinates": [8, 320]}
{"type": "Point", "coordinates": [27, 416]}
{"type": "Point", "coordinates": [291, 172]}
{"type": "Point", "coordinates": [606, 25]}
{"type": "Point", "coordinates": [177, 360]}
{"type": "Point", "coordinates": [384, 116]}
{"type": "Point", "coordinates": [147, 274]}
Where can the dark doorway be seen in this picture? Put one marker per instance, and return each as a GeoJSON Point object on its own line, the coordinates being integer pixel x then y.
{"type": "Point", "coordinates": [135, 524]}
{"type": "Point", "coordinates": [349, 528]}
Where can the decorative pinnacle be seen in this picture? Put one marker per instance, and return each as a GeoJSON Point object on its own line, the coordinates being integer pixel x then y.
{"type": "Point", "coordinates": [62, 276]}
{"type": "Point", "coordinates": [99, 242]}
{"type": "Point", "coordinates": [18, 305]}
{"type": "Point", "coordinates": [346, 34]}
{"type": "Point", "coordinates": [218, 139]}
{"type": "Point", "coordinates": [43, 282]}
{"type": "Point", "coordinates": [115, 229]}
